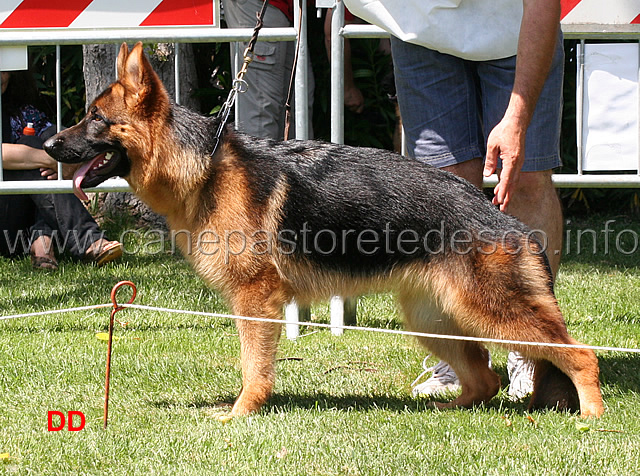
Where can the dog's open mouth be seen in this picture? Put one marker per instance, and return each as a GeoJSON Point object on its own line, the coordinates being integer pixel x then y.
{"type": "Point", "coordinates": [95, 172]}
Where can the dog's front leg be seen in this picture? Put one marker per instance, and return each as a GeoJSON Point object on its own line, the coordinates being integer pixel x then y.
{"type": "Point", "coordinates": [263, 297]}
{"type": "Point", "coordinates": [258, 344]}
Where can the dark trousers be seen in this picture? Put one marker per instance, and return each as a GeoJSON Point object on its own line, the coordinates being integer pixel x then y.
{"type": "Point", "coordinates": [63, 217]}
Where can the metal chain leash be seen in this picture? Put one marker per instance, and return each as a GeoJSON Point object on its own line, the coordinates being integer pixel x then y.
{"type": "Point", "coordinates": [239, 85]}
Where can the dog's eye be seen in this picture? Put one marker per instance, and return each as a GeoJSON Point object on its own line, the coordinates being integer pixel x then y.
{"type": "Point", "coordinates": [101, 119]}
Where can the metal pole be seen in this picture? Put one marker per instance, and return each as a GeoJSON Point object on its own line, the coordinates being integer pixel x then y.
{"type": "Point", "coordinates": [292, 320]}
{"type": "Point", "coordinates": [59, 186]}
{"type": "Point", "coordinates": [236, 64]}
{"type": "Point", "coordinates": [59, 100]}
{"type": "Point", "coordinates": [342, 310]}
{"type": "Point", "coordinates": [115, 63]}
{"type": "Point", "coordinates": [176, 70]}
{"type": "Point", "coordinates": [301, 102]}
{"type": "Point", "coordinates": [580, 106]}
{"type": "Point", "coordinates": [71, 36]}
{"type": "Point", "coordinates": [337, 73]}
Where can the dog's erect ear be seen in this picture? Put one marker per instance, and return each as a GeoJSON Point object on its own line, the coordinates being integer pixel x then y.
{"type": "Point", "coordinates": [134, 68]}
{"type": "Point", "coordinates": [122, 59]}
{"type": "Point", "coordinates": [144, 88]}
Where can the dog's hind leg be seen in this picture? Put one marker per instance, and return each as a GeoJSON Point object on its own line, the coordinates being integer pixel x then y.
{"type": "Point", "coordinates": [262, 297]}
{"type": "Point", "coordinates": [469, 360]}
{"type": "Point", "coordinates": [580, 365]}
{"type": "Point", "coordinates": [509, 298]}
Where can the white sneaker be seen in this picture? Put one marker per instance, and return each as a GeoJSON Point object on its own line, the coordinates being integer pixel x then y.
{"type": "Point", "coordinates": [443, 380]}
{"type": "Point", "coordinates": [520, 376]}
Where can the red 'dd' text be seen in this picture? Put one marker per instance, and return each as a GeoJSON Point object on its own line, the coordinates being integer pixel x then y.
{"type": "Point", "coordinates": [56, 420]}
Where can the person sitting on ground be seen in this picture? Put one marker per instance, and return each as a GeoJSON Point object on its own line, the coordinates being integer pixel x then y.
{"type": "Point", "coordinates": [29, 222]}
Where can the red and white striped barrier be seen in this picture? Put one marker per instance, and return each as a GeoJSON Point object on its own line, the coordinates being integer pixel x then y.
{"type": "Point", "coordinates": [106, 13]}
{"type": "Point", "coordinates": [617, 12]}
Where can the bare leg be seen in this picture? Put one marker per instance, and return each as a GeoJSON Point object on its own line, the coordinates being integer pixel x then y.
{"type": "Point", "coordinates": [536, 204]}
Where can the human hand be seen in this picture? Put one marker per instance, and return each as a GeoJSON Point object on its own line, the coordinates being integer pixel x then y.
{"type": "Point", "coordinates": [506, 142]}
{"type": "Point", "coordinates": [49, 174]}
{"type": "Point", "coordinates": [52, 173]}
{"type": "Point", "coordinates": [353, 99]}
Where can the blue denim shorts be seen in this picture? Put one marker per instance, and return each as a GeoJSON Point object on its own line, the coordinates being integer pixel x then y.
{"type": "Point", "coordinates": [449, 106]}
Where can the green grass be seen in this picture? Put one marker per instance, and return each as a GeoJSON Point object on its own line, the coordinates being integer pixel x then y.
{"type": "Point", "coordinates": [342, 405]}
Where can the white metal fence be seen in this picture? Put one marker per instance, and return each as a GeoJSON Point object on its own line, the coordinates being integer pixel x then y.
{"type": "Point", "coordinates": [59, 37]}
{"type": "Point", "coordinates": [339, 32]}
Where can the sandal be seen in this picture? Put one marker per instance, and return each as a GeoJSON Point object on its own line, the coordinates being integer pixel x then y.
{"type": "Point", "coordinates": [44, 263]}
{"type": "Point", "coordinates": [41, 252]}
{"type": "Point", "coordinates": [103, 253]}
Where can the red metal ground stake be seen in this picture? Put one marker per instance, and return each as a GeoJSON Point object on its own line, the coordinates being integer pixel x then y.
{"type": "Point", "coordinates": [115, 309]}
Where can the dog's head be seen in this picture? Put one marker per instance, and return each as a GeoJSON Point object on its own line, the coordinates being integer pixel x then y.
{"type": "Point", "coordinates": [110, 139]}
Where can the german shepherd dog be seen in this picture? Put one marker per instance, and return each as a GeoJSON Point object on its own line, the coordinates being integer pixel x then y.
{"type": "Point", "coordinates": [266, 222]}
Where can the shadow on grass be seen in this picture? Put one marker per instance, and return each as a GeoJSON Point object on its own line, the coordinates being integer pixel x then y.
{"type": "Point", "coordinates": [78, 284]}
{"type": "Point", "coordinates": [408, 404]}
{"type": "Point", "coordinates": [287, 401]}
{"type": "Point", "coordinates": [618, 372]}
{"type": "Point", "coordinates": [323, 402]}
{"type": "Point", "coordinates": [621, 372]}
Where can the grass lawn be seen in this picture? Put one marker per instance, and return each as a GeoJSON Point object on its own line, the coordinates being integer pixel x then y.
{"type": "Point", "coordinates": [342, 405]}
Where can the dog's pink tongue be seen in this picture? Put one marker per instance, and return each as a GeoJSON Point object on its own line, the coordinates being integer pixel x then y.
{"type": "Point", "coordinates": [78, 177]}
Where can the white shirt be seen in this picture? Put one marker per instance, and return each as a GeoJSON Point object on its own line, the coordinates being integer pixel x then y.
{"type": "Point", "coordinates": [470, 29]}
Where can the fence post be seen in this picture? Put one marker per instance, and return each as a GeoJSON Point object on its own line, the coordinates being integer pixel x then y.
{"type": "Point", "coordinates": [342, 311]}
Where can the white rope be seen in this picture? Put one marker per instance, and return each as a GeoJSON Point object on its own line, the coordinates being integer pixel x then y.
{"type": "Point", "coordinates": [385, 331]}
{"type": "Point", "coordinates": [58, 311]}
{"type": "Point", "coordinates": [333, 326]}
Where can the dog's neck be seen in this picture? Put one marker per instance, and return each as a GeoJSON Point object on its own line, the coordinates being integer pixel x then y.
{"type": "Point", "coordinates": [179, 165]}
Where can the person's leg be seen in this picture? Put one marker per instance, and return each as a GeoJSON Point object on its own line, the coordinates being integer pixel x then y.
{"type": "Point", "coordinates": [76, 229]}
{"type": "Point", "coordinates": [73, 229]}
{"type": "Point", "coordinates": [438, 102]}
{"type": "Point", "coordinates": [62, 223]}
{"type": "Point", "coordinates": [470, 170]}
{"type": "Point", "coordinates": [537, 205]}
{"type": "Point", "coordinates": [23, 230]}
{"type": "Point", "coordinates": [260, 110]}
{"type": "Point", "coordinates": [534, 186]}
{"type": "Point", "coordinates": [535, 202]}
{"type": "Point", "coordinates": [17, 216]}
{"type": "Point", "coordinates": [42, 254]}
